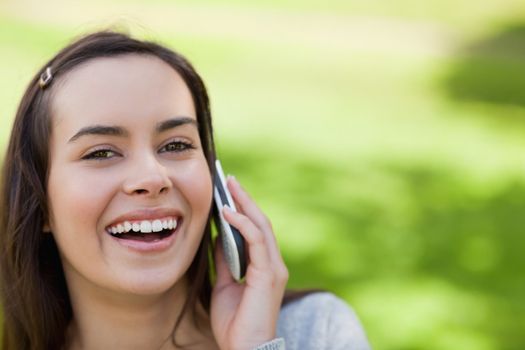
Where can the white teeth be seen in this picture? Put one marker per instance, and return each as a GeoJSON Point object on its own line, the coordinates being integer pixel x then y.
{"type": "Point", "coordinates": [156, 226]}
{"type": "Point", "coordinates": [145, 226]}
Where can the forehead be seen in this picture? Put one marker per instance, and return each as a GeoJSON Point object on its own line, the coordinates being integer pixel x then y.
{"type": "Point", "coordinates": [122, 89]}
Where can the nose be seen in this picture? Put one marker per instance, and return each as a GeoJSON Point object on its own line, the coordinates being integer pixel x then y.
{"type": "Point", "coordinates": [147, 177]}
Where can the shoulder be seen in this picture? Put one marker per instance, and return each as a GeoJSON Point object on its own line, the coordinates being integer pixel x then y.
{"type": "Point", "coordinates": [320, 321]}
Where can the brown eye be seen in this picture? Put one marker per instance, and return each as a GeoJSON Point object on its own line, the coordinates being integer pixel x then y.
{"type": "Point", "coordinates": [100, 154]}
{"type": "Point", "coordinates": [177, 147]}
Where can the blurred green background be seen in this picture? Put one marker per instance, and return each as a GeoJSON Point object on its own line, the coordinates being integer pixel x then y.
{"type": "Point", "coordinates": [385, 140]}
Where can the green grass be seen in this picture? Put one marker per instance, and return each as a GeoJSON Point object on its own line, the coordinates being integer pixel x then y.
{"type": "Point", "coordinates": [393, 174]}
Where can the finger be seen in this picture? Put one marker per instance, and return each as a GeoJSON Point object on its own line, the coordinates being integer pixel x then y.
{"type": "Point", "coordinates": [247, 204]}
{"type": "Point", "coordinates": [250, 209]}
{"type": "Point", "coordinates": [254, 237]}
{"type": "Point", "coordinates": [224, 276]}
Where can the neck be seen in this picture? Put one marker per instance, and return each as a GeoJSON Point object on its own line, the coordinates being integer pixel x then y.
{"type": "Point", "coordinates": [104, 320]}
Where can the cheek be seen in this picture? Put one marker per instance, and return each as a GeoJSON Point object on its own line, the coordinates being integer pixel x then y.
{"type": "Point", "coordinates": [195, 184]}
{"type": "Point", "coordinates": [76, 198]}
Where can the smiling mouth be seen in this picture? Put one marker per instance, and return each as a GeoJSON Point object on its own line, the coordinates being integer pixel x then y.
{"type": "Point", "coordinates": [144, 235]}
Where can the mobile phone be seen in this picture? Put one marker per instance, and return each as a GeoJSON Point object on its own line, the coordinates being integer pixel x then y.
{"type": "Point", "coordinates": [231, 238]}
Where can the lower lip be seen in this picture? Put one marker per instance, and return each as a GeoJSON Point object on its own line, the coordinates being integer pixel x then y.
{"type": "Point", "coordinates": [148, 247]}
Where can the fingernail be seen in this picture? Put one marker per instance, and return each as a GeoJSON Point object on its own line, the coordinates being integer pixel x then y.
{"type": "Point", "coordinates": [233, 179]}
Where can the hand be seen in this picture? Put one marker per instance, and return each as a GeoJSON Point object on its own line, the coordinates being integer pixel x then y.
{"type": "Point", "coordinates": [244, 315]}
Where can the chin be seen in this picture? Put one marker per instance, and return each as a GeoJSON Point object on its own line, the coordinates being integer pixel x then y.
{"type": "Point", "coordinates": [150, 283]}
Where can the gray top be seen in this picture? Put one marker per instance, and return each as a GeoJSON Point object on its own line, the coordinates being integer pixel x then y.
{"type": "Point", "coordinates": [321, 321]}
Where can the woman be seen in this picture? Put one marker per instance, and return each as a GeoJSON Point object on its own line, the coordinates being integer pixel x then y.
{"type": "Point", "coordinates": [106, 218]}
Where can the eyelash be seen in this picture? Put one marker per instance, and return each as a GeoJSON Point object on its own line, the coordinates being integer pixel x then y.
{"type": "Point", "coordinates": [186, 146]}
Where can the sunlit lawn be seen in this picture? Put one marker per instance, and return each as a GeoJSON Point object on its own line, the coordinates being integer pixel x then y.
{"type": "Point", "coordinates": [387, 156]}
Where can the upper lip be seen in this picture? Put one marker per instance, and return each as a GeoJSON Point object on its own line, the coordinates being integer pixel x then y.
{"type": "Point", "coordinates": [146, 214]}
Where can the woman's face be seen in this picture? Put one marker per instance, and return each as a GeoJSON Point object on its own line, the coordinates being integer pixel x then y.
{"type": "Point", "coordinates": [125, 154]}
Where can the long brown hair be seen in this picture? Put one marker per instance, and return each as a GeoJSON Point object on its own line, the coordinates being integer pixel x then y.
{"type": "Point", "coordinates": [36, 304]}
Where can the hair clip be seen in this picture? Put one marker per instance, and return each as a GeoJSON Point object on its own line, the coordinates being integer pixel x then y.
{"type": "Point", "coordinates": [45, 78]}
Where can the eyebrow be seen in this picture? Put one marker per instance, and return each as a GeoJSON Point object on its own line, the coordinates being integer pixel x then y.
{"type": "Point", "coordinates": [119, 131]}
